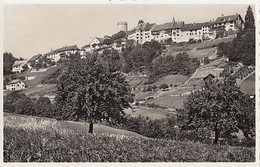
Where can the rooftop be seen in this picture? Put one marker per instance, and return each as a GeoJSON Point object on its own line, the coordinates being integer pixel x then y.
{"type": "Point", "coordinates": [229, 18]}
{"type": "Point", "coordinates": [14, 81]}
{"type": "Point", "coordinates": [19, 62]}
{"type": "Point", "coordinates": [66, 48]}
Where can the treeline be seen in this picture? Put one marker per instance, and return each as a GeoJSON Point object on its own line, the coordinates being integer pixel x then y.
{"type": "Point", "coordinates": [18, 103]}
{"type": "Point", "coordinates": [9, 60]}
{"type": "Point", "coordinates": [181, 64]}
{"type": "Point", "coordinates": [139, 58]}
{"type": "Point", "coordinates": [241, 49]}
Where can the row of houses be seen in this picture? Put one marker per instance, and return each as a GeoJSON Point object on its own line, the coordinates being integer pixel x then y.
{"type": "Point", "coordinates": [182, 32]}
{"type": "Point", "coordinates": [175, 31]}
{"type": "Point", "coordinates": [53, 55]}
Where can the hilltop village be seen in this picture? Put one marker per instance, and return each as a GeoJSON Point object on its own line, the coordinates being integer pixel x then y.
{"type": "Point", "coordinates": [174, 31]}
{"type": "Point", "coordinates": [171, 92]}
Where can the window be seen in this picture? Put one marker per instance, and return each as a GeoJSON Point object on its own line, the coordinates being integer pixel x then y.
{"type": "Point", "coordinates": [178, 34]}
{"type": "Point", "coordinates": [231, 25]}
{"type": "Point", "coordinates": [195, 33]}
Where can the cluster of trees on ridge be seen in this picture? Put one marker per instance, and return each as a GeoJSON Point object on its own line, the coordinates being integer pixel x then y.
{"type": "Point", "coordinates": [242, 48]}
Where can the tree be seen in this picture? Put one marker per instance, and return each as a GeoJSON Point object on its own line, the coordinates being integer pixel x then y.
{"type": "Point", "coordinates": [111, 59]}
{"type": "Point", "coordinates": [17, 102]}
{"type": "Point", "coordinates": [241, 49]}
{"type": "Point", "coordinates": [219, 107]}
{"type": "Point", "coordinates": [9, 60]}
{"type": "Point", "coordinates": [44, 107]}
{"type": "Point", "coordinates": [249, 19]}
{"type": "Point", "coordinates": [89, 89]}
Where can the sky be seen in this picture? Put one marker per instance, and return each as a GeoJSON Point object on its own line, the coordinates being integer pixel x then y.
{"type": "Point", "coordinates": [30, 29]}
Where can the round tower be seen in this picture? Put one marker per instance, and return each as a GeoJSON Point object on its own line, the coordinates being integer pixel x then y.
{"type": "Point", "coordinates": [122, 26]}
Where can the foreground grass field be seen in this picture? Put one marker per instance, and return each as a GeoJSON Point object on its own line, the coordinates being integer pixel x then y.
{"type": "Point", "coordinates": [32, 122]}
{"type": "Point", "coordinates": [43, 140]}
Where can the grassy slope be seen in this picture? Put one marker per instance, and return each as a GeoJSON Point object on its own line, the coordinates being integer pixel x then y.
{"type": "Point", "coordinates": [52, 145]}
{"type": "Point", "coordinates": [153, 113]}
{"type": "Point", "coordinates": [39, 76]}
{"type": "Point", "coordinates": [171, 79]}
{"type": "Point", "coordinates": [248, 85]}
{"type": "Point", "coordinates": [198, 50]}
{"type": "Point", "coordinates": [24, 121]}
{"type": "Point", "coordinates": [41, 90]}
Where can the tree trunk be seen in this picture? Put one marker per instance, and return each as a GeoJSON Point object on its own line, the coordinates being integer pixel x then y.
{"type": "Point", "coordinates": [90, 128]}
{"type": "Point", "coordinates": [216, 137]}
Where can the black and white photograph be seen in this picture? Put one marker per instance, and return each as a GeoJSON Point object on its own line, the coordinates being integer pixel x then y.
{"type": "Point", "coordinates": [129, 83]}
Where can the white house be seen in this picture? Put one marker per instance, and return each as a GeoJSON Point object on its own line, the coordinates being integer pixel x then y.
{"type": "Point", "coordinates": [158, 33]}
{"type": "Point", "coordinates": [17, 67]}
{"type": "Point", "coordinates": [15, 85]}
{"type": "Point", "coordinates": [176, 31]}
{"type": "Point", "coordinates": [67, 50]}
{"type": "Point", "coordinates": [231, 22]}
{"type": "Point", "coordinates": [142, 33]}
{"type": "Point", "coordinates": [55, 55]}
{"type": "Point", "coordinates": [94, 44]}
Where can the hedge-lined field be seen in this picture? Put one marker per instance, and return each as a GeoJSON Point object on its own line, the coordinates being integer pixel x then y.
{"type": "Point", "coordinates": [52, 145]}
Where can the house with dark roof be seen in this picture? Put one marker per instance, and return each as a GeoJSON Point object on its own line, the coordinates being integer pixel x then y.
{"type": "Point", "coordinates": [53, 55]}
{"type": "Point", "coordinates": [142, 33]}
{"type": "Point", "coordinates": [176, 31]}
{"type": "Point", "coordinates": [94, 43]}
{"type": "Point", "coordinates": [15, 85]}
{"type": "Point", "coordinates": [35, 58]}
{"type": "Point", "coordinates": [230, 22]}
{"type": "Point", "coordinates": [67, 50]}
{"type": "Point", "coordinates": [162, 32]}
{"type": "Point", "coordinates": [17, 67]}
{"type": "Point", "coordinates": [196, 31]}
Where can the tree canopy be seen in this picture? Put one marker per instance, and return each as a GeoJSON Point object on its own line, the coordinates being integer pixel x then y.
{"type": "Point", "coordinates": [219, 107]}
{"type": "Point", "coordinates": [141, 56]}
{"type": "Point", "coordinates": [9, 60]}
{"type": "Point", "coordinates": [88, 88]}
{"type": "Point", "coordinates": [249, 19]}
{"type": "Point", "coordinates": [241, 49]}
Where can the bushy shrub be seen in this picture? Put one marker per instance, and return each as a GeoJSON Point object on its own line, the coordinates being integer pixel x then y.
{"type": "Point", "coordinates": [19, 103]}
{"type": "Point", "coordinates": [164, 86]}
{"type": "Point", "coordinates": [149, 88]}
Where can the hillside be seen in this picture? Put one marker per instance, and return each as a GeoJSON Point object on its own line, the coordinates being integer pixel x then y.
{"type": "Point", "coordinates": [248, 85]}
{"type": "Point", "coordinates": [44, 141]}
{"type": "Point", "coordinates": [198, 50]}
{"type": "Point", "coordinates": [24, 121]}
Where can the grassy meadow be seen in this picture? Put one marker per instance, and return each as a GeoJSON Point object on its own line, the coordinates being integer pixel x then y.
{"type": "Point", "coordinates": [33, 139]}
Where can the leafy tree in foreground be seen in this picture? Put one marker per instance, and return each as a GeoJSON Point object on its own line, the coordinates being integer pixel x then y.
{"type": "Point", "coordinates": [88, 89]}
{"type": "Point", "coordinates": [219, 107]}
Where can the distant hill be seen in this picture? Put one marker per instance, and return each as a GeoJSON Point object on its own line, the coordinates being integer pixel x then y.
{"type": "Point", "coordinates": [9, 60]}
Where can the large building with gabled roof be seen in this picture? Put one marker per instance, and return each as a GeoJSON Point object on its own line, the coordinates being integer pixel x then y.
{"type": "Point", "coordinates": [230, 22]}
{"type": "Point", "coordinates": [181, 32]}
{"type": "Point", "coordinates": [15, 85]}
